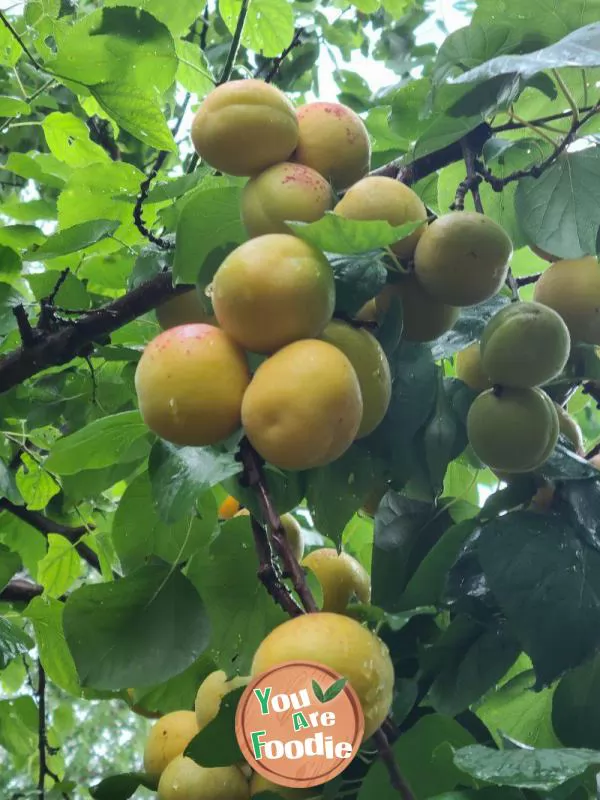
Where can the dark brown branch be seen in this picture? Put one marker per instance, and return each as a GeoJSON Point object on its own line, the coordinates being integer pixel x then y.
{"type": "Point", "coordinates": [268, 573]}
{"type": "Point", "coordinates": [256, 480]}
{"type": "Point", "coordinates": [529, 279]}
{"type": "Point", "coordinates": [101, 133]}
{"type": "Point", "coordinates": [387, 756]}
{"type": "Point", "coordinates": [20, 590]}
{"type": "Point", "coordinates": [517, 126]}
{"type": "Point", "coordinates": [25, 330]}
{"type": "Point", "coordinates": [142, 195]}
{"type": "Point", "coordinates": [277, 62]}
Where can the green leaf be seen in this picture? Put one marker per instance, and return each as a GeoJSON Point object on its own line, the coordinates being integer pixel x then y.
{"type": "Point", "coordinates": [14, 642]}
{"type": "Point", "coordinates": [68, 138]}
{"type": "Point", "coordinates": [8, 486]}
{"type": "Point", "coordinates": [336, 234]}
{"type": "Point", "coordinates": [34, 483]}
{"type": "Point", "coordinates": [72, 239]}
{"type": "Point", "coordinates": [318, 692]}
{"type": "Point", "coordinates": [216, 745]}
{"type": "Point", "coordinates": [286, 489]}
{"type": "Point", "coordinates": [469, 327]}
{"type": "Point", "coordinates": [177, 17]}
{"type": "Point", "coordinates": [141, 629]}
{"type": "Point", "coordinates": [358, 278]}
{"type": "Point", "coordinates": [179, 691]}
{"type": "Point", "coordinates": [542, 770]}
{"type": "Point", "coordinates": [121, 787]}
{"type": "Point", "coordinates": [193, 72]}
{"type": "Point", "coordinates": [472, 45]}
{"type": "Point", "coordinates": [560, 210]}
{"type": "Point", "coordinates": [180, 475]}
{"type": "Point", "coordinates": [13, 106]}
{"type": "Point", "coordinates": [60, 567]}
{"type": "Point", "coordinates": [332, 691]}
{"type": "Point", "coordinates": [575, 699]}
{"type": "Point", "coordinates": [530, 560]}
{"type": "Point", "coordinates": [29, 211]}
{"type": "Point", "coordinates": [269, 26]}
{"type": "Point", "coordinates": [18, 729]}
{"type": "Point", "coordinates": [10, 563]}
{"type": "Point", "coordinates": [209, 227]}
{"type": "Point", "coordinates": [9, 298]}
{"type": "Point", "coordinates": [103, 443]}
{"type": "Point", "coordinates": [46, 615]}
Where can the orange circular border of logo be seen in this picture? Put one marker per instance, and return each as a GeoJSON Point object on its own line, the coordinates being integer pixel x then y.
{"type": "Point", "coordinates": [334, 728]}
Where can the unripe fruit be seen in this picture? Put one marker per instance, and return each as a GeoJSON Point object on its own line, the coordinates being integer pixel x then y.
{"type": "Point", "coordinates": [229, 508]}
{"type": "Point", "coordinates": [182, 309]}
{"type": "Point", "coordinates": [292, 531]}
{"type": "Point", "coordinates": [183, 779]}
{"type": "Point", "coordinates": [524, 344]}
{"type": "Point", "coordinates": [243, 127]}
{"type": "Point", "coordinates": [341, 576]}
{"type": "Point", "coordinates": [462, 258]}
{"type": "Point", "coordinates": [385, 199]}
{"type": "Point", "coordinates": [423, 317]}
{"type": "Point", "coordinates": [341, 643]}
{"type": "Point", "coordinates": [284, 192]}
{"type": "Point", "coordinates": [570, 429]}
{"type": "Point", "coordinates": [469, 369]}
{"type": "Point", "coordinates": [168, 738]}
{"type": "Point", "coordinates": [273, 290]}
{"type": "Point", "coordinates": [190, 382]}
{"type": "Point", "coordinates": [259, 784]}
{"type": "Point", "coordinates": [210, 694]}
{"type": "Point", "coordinates": [333, 140]}
{"type": "Point", "coordinates": [572, 288]}
{"type": "Point", "coordinates": [372, 370]}
{"type": "Point", "coordinates": [514, 430]}
{"type": "Point", "coordinates": [303, 407]}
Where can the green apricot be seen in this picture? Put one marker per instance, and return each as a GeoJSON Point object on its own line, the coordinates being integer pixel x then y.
{"type": "Point", "coordinates": [513, 429]}
{"type": "Point", "coordinates": [571, 429]}
{"type": "Point", "coordinates": [524, 345]}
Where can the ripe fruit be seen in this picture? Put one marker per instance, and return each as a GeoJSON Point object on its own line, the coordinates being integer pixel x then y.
{"type": "Point", "coordinates": [514, 430]}
{"type": "Point", "coordinates": [259, 784]}
{"type": "Point", "coordinates": [524, 344]}
{"type": "Point", "coordinates": [272, 291]}
{"type": "Point", "coordinates": [284, 192]}
{"type": "Point", "coordinates": [292, 531]}
{"type": "Point", "coordinates": [211, 692]}
{"type": "Point", "coordinates": [168, 738]}
{"type": "Point", "coordinates": [182, 310]}
{"type": "Point", "coordinates": [462, 258]}
{"type": "Point", "coordinates": [385, 199]}
{"type": "Point", "coordinates": [572, 288]}
{"type": "Point", "coordinates": [342, 644]}
{"type": "Point", "coordinates": [372, 370]}
{"type": "Point", "coordinates": [469, 369]}
{"type": "Point", "coordinates": [243, 127]}
{"type": "Point", "coordinates": [190, 382]}
{"type": "Point", "coordinates": [183, 779]}
{"type": "Point", "coordinates": [570, 429]}
{"type": "Point", "coordinates": [229, 508]}
{"type": "Point", "coordinates": [423, 317]}
{"type": "Point", "coordinates": [333, 140]}
{"type": "Point", "coordinates": [303, 407]}
{"type": "Point", "coordinates": [340, 576]}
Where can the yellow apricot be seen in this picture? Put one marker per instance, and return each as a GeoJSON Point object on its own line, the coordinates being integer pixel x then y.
{"type": "Point", "coordinates": [210, 694]}
{"type": "Point", "coordinates": [303, 407]}
{"type": "Point", "coordinates": [183, 779]}
{"type": "Point", "coordinates": [283, 192]}
{"type": "Point", "coordinates": [372, 370]}
{"type": "Point", "coordinates": [469, 369]}
{"type": "Point", "coordinates": [423, 317]}
{"type": "Point", "coordinates": [341, 577]}
{"type": "Point", "coordinates": [341, 643]}
{"type": "Point", "coordinates": [190, 382]}
{"type": "Point", "coordinates": [386, 199]}
{"type": "Point", "coordinates": [273, 290]}
{"type": "Point", "coordinates": [229, 508]}
{"type": "Point", "coordinates": [243, 127]}
{"type": "Point", "coordinates": [333, 140]}
{"type": "Point", "coordinates": [168, 738]}
{"type": "Point", "coordinates": [462, 258]}
{"type": "Point", "coordinates": [572, 288]}
{"type": "Point", "coordinates": [182, 309]}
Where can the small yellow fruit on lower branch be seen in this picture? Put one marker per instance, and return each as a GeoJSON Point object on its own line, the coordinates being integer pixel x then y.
{"type": "Point", "coordinates": [513, 430]}
{"type": "Point", "coordinates": [181, 310]}
{"type": "Point", "coordinates": [229, 508]}
{"type": "Point", "coordinates": [372, 369]}
{"type": "Point", "coordinates": [210, 694]}
{"type": "Point", "coordinates": [303, 407]}
{"type": "Point", "coordinates": [168, 738]}
{"type": "Point", "coordinates": [190, 382]}
{"type": "Point", "coordinates": [342, 644]}
{"type": "Point", "coordinates": [183, 779]}
{"type": "Point", "coordinates": [572, 288]}
{"type": "Point", "coordinates": [341, 577]}
{"type": "Point", "coordinates": [469, 369]}
{"type": "Point", "coordinates": [423, 317]}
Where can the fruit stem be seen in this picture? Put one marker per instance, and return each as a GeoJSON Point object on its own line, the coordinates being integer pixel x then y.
{"type": "Point", "coordinates": [568, 96]}
{"type": "Point", "coordinates": [387, 756]}
{"type": "Point", "coordinates": [268, 574]}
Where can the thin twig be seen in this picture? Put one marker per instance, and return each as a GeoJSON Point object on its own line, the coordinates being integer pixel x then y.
{"type": "Point", "coordinates": [41, 695]}
{"type": "Point", "coordinates": [387, 756]}
{"type": "Point", "coordinates": [567, 94]}
{"type": "Point", "coordinates": [277, 62]}
{"type": "Point", "coordinates": [528, 279]}
{"type": "Point", "coordinates": [269, 575]}
{"type": "Point", "coordinates": [25, 330]}
{"type": "Point", "coordinates": [235, 44]}
{"type": "Point", "coordinates": [516, 126]}
{"type": "Point", "coordinates": [142, 195]}
{"type": "Point", "coordinates": [20, 41]}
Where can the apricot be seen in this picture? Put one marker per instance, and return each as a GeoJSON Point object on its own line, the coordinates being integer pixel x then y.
{"type": "Point", "coordinates": [572, 288]}
{"type": "Point", "coordinates": [570, 429]}
{"type": "Point", "coordinates": [513, 430]}
{"type": "Point", "coordinates": [303, 407]}
{"type": "Point", "coordinates": [273, 290]}
{"type": "Point", "coordinates": [341, 577]}
{"type": "Point", "coordinates": [229, 508]}
{"type": "Point", "coordinates": [386, 199]}
{"type": "Point", "coordinates": [168, 738]}
{"type": "Point", "coordinates": [372, 370]}
{"type": "Point", "coordinates": [182, 309]}
{"type": "Point", "coordinates": [284, 192]}
{"type": "Point", "coordinates": [462, 258]}
{"type": "Point", "coordinates": [333, 140]}
{"type": "Point", "coordinates": [292, 530]}
{"type": "Point", "coordinates": [183, 779]}
{"type": "Point", "coordinates": [243, 127]}
{"type": "Point", "coordinates": [524, 345]}
{"type": "Point", "coordinates": [259, 784]}
{"type": "Point", "coordinates": [469, 369]}
{"type": "Point", "coordinates": [341, 643]}
{"type": "Point", "coordinates": [190, 382]}
{"type": "Point", "coordinates": [210, 694]}
{"type": "Point", "coordinates": [423, 317]}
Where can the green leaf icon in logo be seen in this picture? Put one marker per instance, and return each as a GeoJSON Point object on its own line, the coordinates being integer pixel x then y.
{"type": "Point", "coordinates": [331, 693]}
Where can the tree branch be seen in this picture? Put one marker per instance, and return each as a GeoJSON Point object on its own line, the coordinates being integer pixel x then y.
{"type": "Point", "coordinates": [387, 756]}
{"type": "Point", "coordinates": [20, 41]}
{"type": "Point", "coordinates": [235, 44]}
{"type": "Point", "coordinates": [277, 62]}
{"type": "Point", "coordinates": [20, 590]}
{"type": "Point", "coordinates": [529, 279]}
{"type": "Point", "coordinates": [268, 573]}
